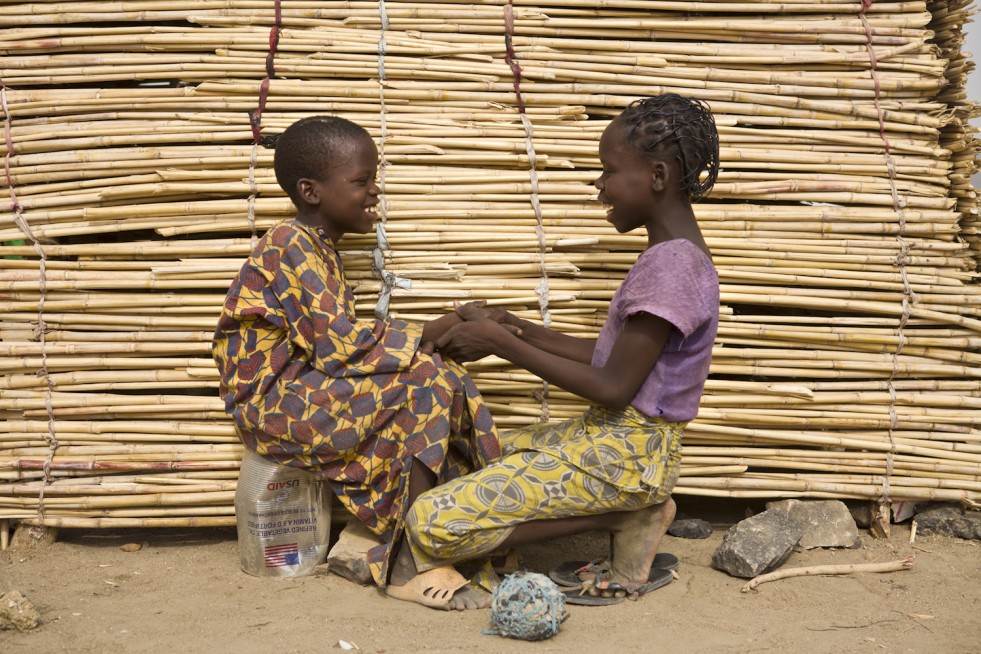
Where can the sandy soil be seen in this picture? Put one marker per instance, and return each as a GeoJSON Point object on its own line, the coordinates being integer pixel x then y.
{"type": "Point", "coordinates": [184, 591]}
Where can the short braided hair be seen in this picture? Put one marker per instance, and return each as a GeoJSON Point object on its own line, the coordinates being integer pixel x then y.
{"type": "Point", "coordinates": [309, 147]}
{"type": "Point", "coordinates": [681, 126]}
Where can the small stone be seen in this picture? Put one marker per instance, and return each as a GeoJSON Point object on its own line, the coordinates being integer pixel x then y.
{"type": "Point", "coordinates": [131, 547]}
{"type": "Point", "coordinates": [690, 528]}
{"type": "Point", "coordinates": [861, 514]}
{"type": "Point", "coordinates": [28, 537]}
{"type": "Point", "coordinates": [949, 520]}
{"type": "Point", "coordinates": [17, 612]}
{"type": "Point", "coordinates": [349, 555]}
{"type": "Point", "coordinates": [758, 544]}
{"type": "Point", "coordinates": [829, 522]}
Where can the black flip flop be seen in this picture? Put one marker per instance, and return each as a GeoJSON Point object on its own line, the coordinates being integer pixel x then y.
{"type": "Point", "coordinates": [573, 597]}
{"type": "Point", "coordinates": [658, 578]}
{"type": "Point", "coordinates": [564, 574]}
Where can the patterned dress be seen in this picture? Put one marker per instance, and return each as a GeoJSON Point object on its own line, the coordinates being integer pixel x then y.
{"type": "Point", "coordinates": [604, 460]}
{"type": "Point", "coordinates": [599, 462]}
{"type": "Point", "coordinates": [310, 386]}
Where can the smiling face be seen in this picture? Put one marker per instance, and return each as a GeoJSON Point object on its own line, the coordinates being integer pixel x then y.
{"type": "Point", "coordinates": [344, 200]}
{"type": "Point", "coordinates": [629, 184]}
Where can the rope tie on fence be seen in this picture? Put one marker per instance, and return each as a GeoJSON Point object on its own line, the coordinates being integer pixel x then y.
{"type": "Point", "coordinates": [389, 280]}
{"type": "Point", "coordinates": [255, 116]}
{"type": "Point", "coordinates": [541, 290]}
{"type": "Point", "coordinates": [901, 261]}
{"type": "Point", "coordinates": [41, 330]}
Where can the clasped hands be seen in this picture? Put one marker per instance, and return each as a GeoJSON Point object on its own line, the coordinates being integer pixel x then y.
{"type": "Point", "coordinates": [477, 336]}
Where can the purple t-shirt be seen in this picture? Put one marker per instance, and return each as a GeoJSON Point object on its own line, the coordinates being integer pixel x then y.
{"type": "Point", "coordinates": [676, 281]}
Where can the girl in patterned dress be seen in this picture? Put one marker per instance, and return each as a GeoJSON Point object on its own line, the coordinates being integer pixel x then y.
{"type": "Point", "coordinates": [309, 384]}
{"type": "Point", "coordinates": [613, 468]}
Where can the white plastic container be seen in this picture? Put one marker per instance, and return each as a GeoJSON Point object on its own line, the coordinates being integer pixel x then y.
{"type": "Point", "coordinates": [283, 518]}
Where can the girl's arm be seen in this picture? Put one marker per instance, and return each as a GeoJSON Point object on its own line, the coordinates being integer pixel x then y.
{"type": "Point", "coordinates": [557, 343]}
{"type": "Point", "coordinates": [614, 385]}
{"type": "Point", "coordinates": [563, 345]}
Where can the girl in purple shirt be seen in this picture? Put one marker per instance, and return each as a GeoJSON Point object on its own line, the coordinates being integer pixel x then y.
{"type": "Point", "coordinates": [614, 467]}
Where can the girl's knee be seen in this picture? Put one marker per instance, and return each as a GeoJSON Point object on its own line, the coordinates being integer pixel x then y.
{"type": "Point", "coordinates": [437, 536]}
{"type": "Point", "coordinates": [423, 523]}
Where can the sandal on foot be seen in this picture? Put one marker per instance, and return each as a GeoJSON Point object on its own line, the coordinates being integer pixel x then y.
{"type": "Point", "coordinates": [657, 578]}
{"type": "Point", "coordinates": [566, 573]}
{"type": "Point", "coordinates": [433, 588]}
{"type": "Point", "coordinates": [582, 598]}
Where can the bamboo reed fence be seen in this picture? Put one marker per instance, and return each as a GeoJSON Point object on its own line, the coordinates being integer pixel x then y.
{"type": "Point", "coordinates": [844, 225]}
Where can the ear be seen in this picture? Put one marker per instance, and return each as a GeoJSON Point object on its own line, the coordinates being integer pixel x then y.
{"type": "Point", "coordinates": [308, 191]}
{"type": "Point", "coordinates": [660, 176]}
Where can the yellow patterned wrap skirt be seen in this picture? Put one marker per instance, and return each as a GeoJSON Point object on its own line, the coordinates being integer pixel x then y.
{"type": "Point", "coordinates": [600, 462]}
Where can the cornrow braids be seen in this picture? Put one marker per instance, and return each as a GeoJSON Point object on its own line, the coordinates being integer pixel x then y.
{"type": "Point", "coordinates": [684, 125]}
{"type": "Point", "coordinates": [309, 147]}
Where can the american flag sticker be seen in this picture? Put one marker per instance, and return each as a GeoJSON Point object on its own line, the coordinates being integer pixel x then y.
{"type": "Point", "coordinates": [279, 555]}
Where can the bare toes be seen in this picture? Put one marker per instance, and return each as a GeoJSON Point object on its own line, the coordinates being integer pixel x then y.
{"type": "Point", "coordinates": [469, 599]}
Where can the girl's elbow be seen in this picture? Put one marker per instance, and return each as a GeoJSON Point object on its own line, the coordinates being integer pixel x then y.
{"type": "Point", "coordinates": [622, 404]}
{"type": "Point", "coordinates": [617, 400]}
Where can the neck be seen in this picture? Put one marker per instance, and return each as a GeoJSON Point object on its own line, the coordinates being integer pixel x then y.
{"type": "Point", "coordinates": [323, 232]}
{"type": "Point", "coordinates": [676, 222]}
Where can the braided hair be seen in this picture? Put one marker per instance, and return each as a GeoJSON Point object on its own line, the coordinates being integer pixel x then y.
{"type": "Point", "coordinates": [309, 147]}
{"type": "Point", "coordinates": [679, 126]}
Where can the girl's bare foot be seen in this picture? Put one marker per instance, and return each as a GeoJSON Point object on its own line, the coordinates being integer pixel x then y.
{"type": "Point", "coordinates": [636, 540]}
{"type": "Point", "coordinates": [468, 598]}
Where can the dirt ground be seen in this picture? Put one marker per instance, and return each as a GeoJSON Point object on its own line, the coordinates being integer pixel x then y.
{"type": "Point", "coordinates": [184, 591]}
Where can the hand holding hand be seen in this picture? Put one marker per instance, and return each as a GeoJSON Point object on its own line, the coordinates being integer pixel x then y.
{"type": "Point", "coordinates": [472, 340]}
{"type": "Point", "coordinates": [478, 310]}
{"type": "Point", "coordinates": [471, 311]}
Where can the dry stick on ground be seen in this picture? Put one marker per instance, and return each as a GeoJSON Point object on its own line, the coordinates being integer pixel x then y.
{"type": "Point", "coordinates": [890, 566]}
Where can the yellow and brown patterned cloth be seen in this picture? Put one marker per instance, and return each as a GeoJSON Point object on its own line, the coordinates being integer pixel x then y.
{"type": "Point", "coordinates": [603, 461]}
{"type": "Point", "coordinates": [309, 385]}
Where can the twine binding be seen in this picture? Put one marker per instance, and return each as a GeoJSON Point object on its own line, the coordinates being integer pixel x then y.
{"type": "Point", "coordinates": [541, 290]}
{"type": "Point", "coordinates": [255, 116]}
{"type": "Point", "coordinates": [41, 330]}
{"type": "Point", "coordinates": [909, 297]}
{"type": "Point", "coordinates": [389, 280]}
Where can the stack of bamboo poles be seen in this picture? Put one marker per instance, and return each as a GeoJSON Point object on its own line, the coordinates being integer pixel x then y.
{"type": "Point", "coordinates": [844, 225]}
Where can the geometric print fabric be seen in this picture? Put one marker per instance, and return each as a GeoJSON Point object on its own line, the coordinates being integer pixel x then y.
{"type": "Point", "coordinates": [602, 461]}
{"type": "Point", "coordinates": [309, 385]}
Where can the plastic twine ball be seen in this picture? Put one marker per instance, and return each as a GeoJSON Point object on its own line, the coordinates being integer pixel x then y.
{"type": "Point", "coordinates": [528, 606]}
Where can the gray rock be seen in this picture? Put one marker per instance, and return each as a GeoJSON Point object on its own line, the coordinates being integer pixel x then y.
{"type": "Point", "coordinates": [861, 514]}
{"type": "Point", "coordinates": [829, 522]}
{"type": "Point", "coordinates": [349, 555]}
{"type": "Point", "coordinates": [758, 544]}
{"type": "Point", "coordinates": [949, 520]}
{"type": "Point", "coordinates": [17, 612]}
{"type": "Point", "coordinates": [690, 528]}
